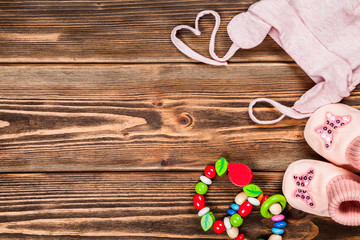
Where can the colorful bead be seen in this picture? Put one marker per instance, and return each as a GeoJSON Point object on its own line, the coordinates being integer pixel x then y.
{"type": "Point", "coordinates": [240, 237]}
{"type": "Point", "coordinates": [233, 232]}
{"type": "Point", "coordinates": [219, 226]}
{"type": "Point", "coordinates": [245, 209]}
{"type": "Point", "coordinates": [205, 180]}
{"type": "Point", "coordinates": [203, 211]}
{"type": "Point", "coordinates": [236, 220]}
{"type": "Point", "coordinates": [278, 231]}
{"type": "Point", "coordinates": [270, 201]}
{"type": "Point", "coordinates": [207, 221]}
{"type": "Point", "coordinates": [275, 237]}
{"type": "Point", "coordinates": [201, 188]}
{"type": "Point", "coordinates": [199, 201]}
{"type": "Point", "coordinates": [275, 208]}
{"type": "Point", "coordinates": [231, 211]}
{"type": "Point", "coordinates": [280, 224]}
{"type": "Point", "coordinates": [241, 198]}
{"type": "Point", "coordinates": [227, 223]}
{"type": "Point", "coordinates": [210, 171]}
{"type": "Point", "coordinates": [221, 166]}
{"type": "Point", "coordinates": [240, 174]}
{"type": "Point", "coordinates": [235, 206]}
{"type": "Point", "coordinates": [264, 199]}
{"type": "Point", "coordinates": [254, 201]}
{"type": "Point", "coordinates": [260, 197]}
{"type": "Point", "coordinates": [278, 218]}
{"type": "Point", "coordinates": [252, 190]}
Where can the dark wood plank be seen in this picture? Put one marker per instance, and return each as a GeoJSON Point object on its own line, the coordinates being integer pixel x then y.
{"type": "Point", "coordinates": [116, 31]}
{"type": "Point", "coordinates": [134, 206]}
{"type": "Point", "coordinates": [147, 117]}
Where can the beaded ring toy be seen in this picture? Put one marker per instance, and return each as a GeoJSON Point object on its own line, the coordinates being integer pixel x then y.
{"type": "Point", "coordinates": [240, 175]}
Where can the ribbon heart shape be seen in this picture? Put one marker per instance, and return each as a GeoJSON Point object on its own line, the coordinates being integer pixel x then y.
{"type": "Point", "coordinates": [194, 55]}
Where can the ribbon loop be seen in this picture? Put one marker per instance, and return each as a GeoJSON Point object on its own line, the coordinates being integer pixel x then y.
{"type": "Point", "coordinates": [286, 111]}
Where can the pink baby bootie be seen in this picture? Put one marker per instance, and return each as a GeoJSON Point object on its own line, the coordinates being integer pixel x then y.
{"type": "Point", "coordinates": [333, 131]}
{"type": "Point", "coordinates": [323, 189]}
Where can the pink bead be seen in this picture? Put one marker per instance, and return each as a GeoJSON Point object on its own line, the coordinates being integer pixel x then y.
{"type": "Point", "coordinates": [278, 218]}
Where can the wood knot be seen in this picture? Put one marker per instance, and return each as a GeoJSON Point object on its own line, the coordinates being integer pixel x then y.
{"type": "Point", "coordinates": [164, 163]}
{"type": "Point", "coordinates": [159, 104]}
{"type": "Point", "coordinates": [185, 120]}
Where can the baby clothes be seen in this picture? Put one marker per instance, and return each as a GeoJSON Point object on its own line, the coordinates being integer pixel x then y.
{"type": "Point", "coordinates": [322, 36]}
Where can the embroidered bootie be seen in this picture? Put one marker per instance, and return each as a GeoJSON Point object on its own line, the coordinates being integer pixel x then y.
{"type": "Point", "coordinates": [333, 131]}
{"type": "Point", "coordinates": [323, 189]}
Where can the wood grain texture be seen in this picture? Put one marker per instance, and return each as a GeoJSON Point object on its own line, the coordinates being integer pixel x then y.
{"type": "Point", "coordinates": [116, 206]}
{"type": "Point", "coordinates": [116, 31]}
{"type": "Point", "coordinates": [147, 117]}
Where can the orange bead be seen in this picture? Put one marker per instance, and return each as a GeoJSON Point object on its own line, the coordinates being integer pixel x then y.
{"type": "Point", "coordinates": [260, 197]}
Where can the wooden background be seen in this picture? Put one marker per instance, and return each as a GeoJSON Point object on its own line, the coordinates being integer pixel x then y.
{"type": "Point", "coordinates": [105, 127]}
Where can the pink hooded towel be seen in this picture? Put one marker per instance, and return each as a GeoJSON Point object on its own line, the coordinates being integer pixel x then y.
{"type": "Point", "coordinates": [322, 36]}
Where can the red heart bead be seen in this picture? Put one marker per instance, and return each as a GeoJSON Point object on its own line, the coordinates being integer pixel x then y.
{"type": "Point", "coordinates": [240, 174]}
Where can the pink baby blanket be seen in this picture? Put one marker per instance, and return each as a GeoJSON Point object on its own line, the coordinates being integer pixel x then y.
{"type": "Point", "coordinates": [322, 36]}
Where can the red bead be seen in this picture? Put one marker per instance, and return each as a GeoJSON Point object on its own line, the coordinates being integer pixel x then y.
{"type": "Point", "coordinates": [245, 209]}
{"type": "Point", "coordinates": [199, 201]}
{"type": "Point", "coordinates": [219, 226]}
{"type": "Point", "coordinates": [210, 171]}
{"type": "Point", "coordinates": [240, 174]}
{"type": "Point", "coordinates": [240, 237]}
{"type": "Point", "coordinates": [264, 199]}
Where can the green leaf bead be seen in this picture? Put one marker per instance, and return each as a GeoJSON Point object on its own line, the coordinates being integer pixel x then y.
{"type": "Point", "coordinates": [236, 220]}
{"type": "Point", "coordinates": [201, 188]}
{"type": "Point", "coordinates": [221, 166]}
{"type": "Point", "coordinates": [252, 190]}
{"type": "Point", "coordinates": [207, 221]}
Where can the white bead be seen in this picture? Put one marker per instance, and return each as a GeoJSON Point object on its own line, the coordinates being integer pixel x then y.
{"type": "Point", "coordinates": [203, 211]}
{"type": "Point", "coordinates": [275, 237]}
{"type": "Point", "coordinates": [227, 223]}
{"type": "Point", "coordinates": [241, 198]}
{"type": "Point", "coordinates": [275, 208]}
{"type": "Point", "coordinates": [205, 180]}
{"type": "Point", "coordinates": [254, 201]}
{"type": "Point", "coordinates": [233, 232]}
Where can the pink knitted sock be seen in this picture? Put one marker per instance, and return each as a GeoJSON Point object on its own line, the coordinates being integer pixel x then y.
{"type": "Point", "coordinates": [344, 200]}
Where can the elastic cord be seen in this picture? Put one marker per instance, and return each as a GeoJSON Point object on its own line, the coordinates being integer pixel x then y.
{"type": "Point", "coordinates": [196, 56]}
{"type": "Point", "coordinates": [286, 111]}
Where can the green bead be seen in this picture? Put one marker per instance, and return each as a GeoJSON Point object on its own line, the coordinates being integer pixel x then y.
{"type": "Point", "coordinates": [207, 221]}
{"type": "Point", "coordinates": [278, 198]}
{"type": "Point", "coordinates": [221, 166]}
{"type": "Point", "coordinates": [236, 220]}
{"type": "Point", "coordinates": [252, 190]}
{"type": "Point", "coordinates": [201, 188]}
